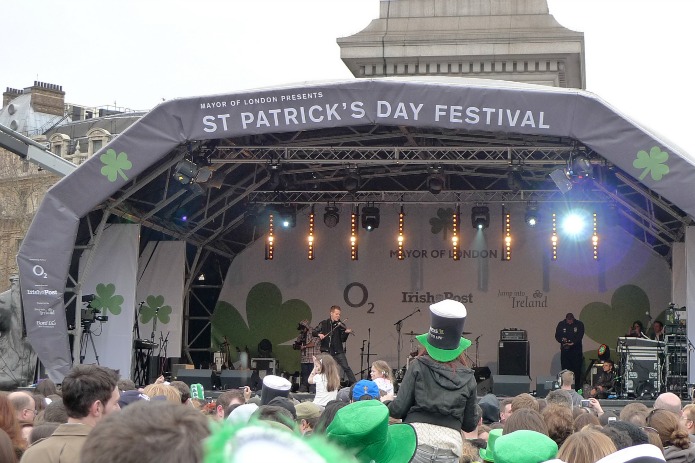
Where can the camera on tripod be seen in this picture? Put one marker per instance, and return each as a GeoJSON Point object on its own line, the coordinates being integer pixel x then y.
{"type": "Point", "coordinates": [89, 314]}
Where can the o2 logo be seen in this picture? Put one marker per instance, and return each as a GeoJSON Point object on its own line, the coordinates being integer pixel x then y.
{"type": "Point", "coordinates": [356, 295]}
{"type": "Point", "coordinates": [39, 271]}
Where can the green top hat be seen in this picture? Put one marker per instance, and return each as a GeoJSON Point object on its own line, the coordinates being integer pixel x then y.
{"type": "Point", "coordinates": [443, 341]}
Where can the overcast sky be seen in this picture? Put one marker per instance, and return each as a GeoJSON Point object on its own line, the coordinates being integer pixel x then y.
{"type": "Point", "coordinates": [134, 53]}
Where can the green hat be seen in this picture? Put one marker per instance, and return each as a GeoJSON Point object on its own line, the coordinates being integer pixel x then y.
{"type": "Point", "coordinates": [444, 342]}
{"type": "Point", "coordinates": [363, 427]}
{"type": "Point", "coordinates": [524, 446]}
{"type": "Point", "coordinates": [197, 391]}
{"type": "Point", "coordinates": [488, 454]}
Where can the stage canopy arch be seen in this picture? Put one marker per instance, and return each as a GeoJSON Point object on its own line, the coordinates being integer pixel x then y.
{"type": "Point", "coordinates": [223, 160]}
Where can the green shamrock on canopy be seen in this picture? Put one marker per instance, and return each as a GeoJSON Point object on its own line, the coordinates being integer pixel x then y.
{"type": "Point", "coordinates": [114, 164]}
{"type": "Point", "coordinates": [268, 318]}
{"type": "Point", "coordinates": [443, 222]}
{"type": "Point", "coordinates": [155, 308]}
{"type": "Point", "coordinates": [106, 299]}
{"type": "Point", "coordinates": [653, 162]}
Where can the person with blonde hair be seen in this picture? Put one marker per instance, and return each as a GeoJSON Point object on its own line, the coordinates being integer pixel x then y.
{"type": "Point", "coordinates": [673, 435]}
{"type": "Point", "coordinates": [326, 377]}
{"type": "Point", "coordinates": [586, 446]}
{"type": "Point", "coordinates": [688, 418]}
{"type": "Point", "coordinates": [382, 375]}
{"type": "Point", "coordinates": [169, 392]}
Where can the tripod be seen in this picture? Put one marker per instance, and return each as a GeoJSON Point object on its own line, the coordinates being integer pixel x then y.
{"type": "Point", "coordinates": [86, 338]}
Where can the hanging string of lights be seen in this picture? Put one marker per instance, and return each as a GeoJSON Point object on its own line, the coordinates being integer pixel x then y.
{"type": "Point", "coordinates": [270, 242]}
{"type": "Point", "coordinates": [401, 217]}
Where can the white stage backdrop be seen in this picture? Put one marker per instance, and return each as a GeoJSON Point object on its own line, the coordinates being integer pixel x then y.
{"type": "Point", "coordinates": [111, 278]}
{"type": "Point", "coordinates": [161, 271]}
{"type": "Point", "coordinates": [265, 299]}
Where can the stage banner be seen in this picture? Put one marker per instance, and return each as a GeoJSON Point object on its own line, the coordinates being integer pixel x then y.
{"type": "Point", "coordinates": [161, 272]}
{"type": "Point", "coordinates": [110, 278]}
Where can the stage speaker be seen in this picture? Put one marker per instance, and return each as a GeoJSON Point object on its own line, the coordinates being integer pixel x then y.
{"type": "Point", "coordinates": [510, 385]}
{"type": "Point", "coordinates": [176, 367]}
{"type": "Point", "coordinates": [481, 374]}
{"type": "Point", "coordinates": [232, 379]}
{"type": "Point", "coordinates": [484, 387]}
{"type": "Point", "coordinates": [203, 377]}
{"type": "Point", "coordinates": [544, 384]}
{"type": "Point", "coordinates": [514, 358]}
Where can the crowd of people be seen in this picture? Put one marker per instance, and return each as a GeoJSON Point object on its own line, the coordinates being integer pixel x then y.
{"type": "Point", "coordinates": [434, 416]}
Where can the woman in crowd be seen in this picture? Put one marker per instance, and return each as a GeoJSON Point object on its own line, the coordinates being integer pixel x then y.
{"type": "Point", "coordinates": [586, 446]}
{"type": "Point", "coordinates": [326, 377]}
{"type": "Point", "coordinates": [673, 435]}
{"type": "Point", "coordinates": [10, 424]}
{"type": "Point", "coordinates": [383, 377]}
{"type": "Point", "coordinates": [438, 393]}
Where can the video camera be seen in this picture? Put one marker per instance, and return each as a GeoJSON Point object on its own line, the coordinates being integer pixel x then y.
{"type": "Point", "coordinates": [90, 314]}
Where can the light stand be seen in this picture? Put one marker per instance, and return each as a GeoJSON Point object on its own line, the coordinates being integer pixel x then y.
{"type": "Point", "coordinates": [367, 355]}
{"type": "Point", "coordinates": [399, 342]}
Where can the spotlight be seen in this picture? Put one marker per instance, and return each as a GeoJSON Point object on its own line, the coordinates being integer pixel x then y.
{"type": "Point", "coordinates": [185, 171]}
{"type": "Point", "coordinates": [480, 217]}
{"type": "Point", "coordinates": [559, 176]}
{"type": "Point", "coordinates": [288, 217]}
{"type": "Point", "coordinates": [331, 217]}
{"type": "Point", "coordinates": [581, 167]}
{"type": "Point", "coordinates": [351, 182]}
{"type": "Point", "coordinates": [532, 217]}
{"type": "Point", "coordinates": [435, 180]}
{"type": "Point", "coordinates": [573, 224]}
{"type": "Point", "coordinates": [370, 218]}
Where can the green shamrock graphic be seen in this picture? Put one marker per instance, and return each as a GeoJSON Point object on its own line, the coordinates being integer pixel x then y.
{"type": "Point", "coordinates": [107, 300]}
{"type": "Point", "coordinates": [605, 323]}
{"type": "Point", "coordinates": [155, 308]}
{"type": "Point", "coordinates": [268, 318]}
{"type": "Point", "coordinates": [443, 222]}
{"type": "Point", "coordinates": [653, 162]}
{"type": "Point", "coordinates": [114, 164]}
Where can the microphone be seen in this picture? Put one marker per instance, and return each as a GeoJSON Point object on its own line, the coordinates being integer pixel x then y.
{"type": "Point", "coordinates": [649, 316]}
{"type": "Point", "coordinates": [418, 309]}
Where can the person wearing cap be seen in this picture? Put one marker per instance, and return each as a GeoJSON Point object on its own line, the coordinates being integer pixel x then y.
{"type": "Point", "coordinates": [569, 333]}
{"type": "Point", "coordinates": [365, 389]}
{"type": "Point", "coordinates": [308, 414]}
{"type": "Point", "coordinates": [525, 446]}
{"type": "Point", "coordinates": [438, 392]}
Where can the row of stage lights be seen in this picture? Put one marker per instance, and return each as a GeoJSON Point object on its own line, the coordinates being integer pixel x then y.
{"type": "Point", "coordinates": [572, 225]}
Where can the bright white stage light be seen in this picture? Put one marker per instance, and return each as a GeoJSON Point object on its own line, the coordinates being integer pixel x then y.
{"type": "Point", "coordinates": [573, 224]}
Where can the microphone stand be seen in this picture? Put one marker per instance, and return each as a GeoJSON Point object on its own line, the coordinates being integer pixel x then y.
{"type": "Point", "coordinates": [399, 342]}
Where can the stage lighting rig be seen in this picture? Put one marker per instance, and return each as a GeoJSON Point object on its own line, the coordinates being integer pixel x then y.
{"type": "Point", "coordinates": [331, 216]}
{"type": "Point", "coordinates": [370, 217]}
{"type": "Point", "coordinates": [480, 217]}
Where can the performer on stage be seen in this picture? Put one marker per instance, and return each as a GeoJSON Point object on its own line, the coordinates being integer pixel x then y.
{"type": "Point", "coordinates": [659, 334]}
{"type": "Point", "coordinates": [637, 330]}
{"type": "Point", "coordinates": [569, 333]}
{"type": "Point", "coordinates": [333, 333]}
{"type": "Point", "coordinates": [308, 345]}
{"type": "Point", "coordinates": [605, 382]}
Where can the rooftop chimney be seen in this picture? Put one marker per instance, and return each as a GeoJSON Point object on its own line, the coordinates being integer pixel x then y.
{"type": "Point", "coordinates": [9, 95]}
{"type": "Point", "coordinates": [47, 98]}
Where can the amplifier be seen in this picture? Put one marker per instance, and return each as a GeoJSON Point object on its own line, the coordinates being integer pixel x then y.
{"type": "Point", "coordinates": [512, 334]}
{"type": "Point", "coordinates": [675, 329]}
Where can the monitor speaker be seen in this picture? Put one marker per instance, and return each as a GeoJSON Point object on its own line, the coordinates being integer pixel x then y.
{"type": "Point", "coordinates": [510, 385]}
{"type": "Point", "coordinates": [203, 377]}
{"type": "Point", "coordinates": [514, 358]}
{"type": "Point", "coordinates": [544, 384]}
{"type": "Point", "coordinates": [232, 379]}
